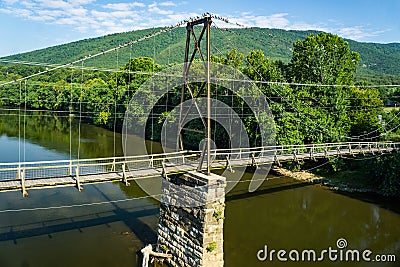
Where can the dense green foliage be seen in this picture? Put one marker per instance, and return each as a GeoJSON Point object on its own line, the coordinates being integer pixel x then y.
{"type": "Point", "coordinates": [387, 175]}
{"type": "Point", "coordinates": [377, 174]}
{"type": "Point", "coordinates": [324, 59]}
{"type": "Point", "coordinates": [346, 110]}
{"type": "Point", "coordinates": [303, 114]}
{"type": "Point", "coordinates": [378, 61]}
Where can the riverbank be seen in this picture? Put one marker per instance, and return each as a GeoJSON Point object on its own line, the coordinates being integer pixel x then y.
{"type": "Point", "coordinates": [347, 181]}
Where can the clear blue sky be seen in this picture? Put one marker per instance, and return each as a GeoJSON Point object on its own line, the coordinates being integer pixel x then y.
{"type": "Point", "coordinates": [32, 24]}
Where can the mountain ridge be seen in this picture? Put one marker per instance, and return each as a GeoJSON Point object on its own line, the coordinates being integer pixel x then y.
{"type": "Point", "coordinates": [376, 58]}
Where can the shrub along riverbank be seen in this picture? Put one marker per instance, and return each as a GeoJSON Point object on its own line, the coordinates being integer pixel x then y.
{"type": "Point", "coordinates": [366, 174]}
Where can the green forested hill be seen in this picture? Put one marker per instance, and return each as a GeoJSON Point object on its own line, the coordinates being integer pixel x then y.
{"type": "Point", "coordinates": [376, 59]}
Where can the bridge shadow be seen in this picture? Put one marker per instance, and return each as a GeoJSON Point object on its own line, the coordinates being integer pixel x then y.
{"type": "Point", "coordinates": [388, 203]}
{"type": "Point", "coordinates": [244, 193]}
{"type": "Point", "coordinates": [145, 233]}
{"type": "Point", "coordinates": [132, 219]}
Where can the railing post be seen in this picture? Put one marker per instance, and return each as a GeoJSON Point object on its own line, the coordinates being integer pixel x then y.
{"type": "Point", "coordinates": [18, 174]}
{"type": "Point", "coordinates": [339, 151]}
{"type": "Point", "coordinates": [228, 164]}
{"type": "Point", "coordinates": [151, 165]}
{"type": "Point", "coordinates": [113, 169]}
{"type": "Point", "coordinates": [325, 152]}
{"type": "Point", "coordinates": [124, 177]}
{"type": "Point", "coordinates": [164, 170]}
{"type": "Point", "coordinates": [253, 160]}
{"type": "Point", "coordinates": [78, 183]}
{"type": "Point", "coordinates": [276, 159]}
{"type": "Point", "coordinates": [22, 178]}
{"type": "Point", "coordinates": [70, 168]}
{"type": "Point", "coordinates": [370, 149]}
{"type": "Point", "coordinates": [350, 151]}
{"type": "Point", "coordinates": [312, 153]}
{"type": "Point", "coordinates": [362, 149]}
{"type": "Point", "coordinates": [295, 155]}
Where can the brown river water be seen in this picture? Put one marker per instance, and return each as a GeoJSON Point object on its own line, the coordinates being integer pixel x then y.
{"type": "Point", "coordinates": [282, 214]}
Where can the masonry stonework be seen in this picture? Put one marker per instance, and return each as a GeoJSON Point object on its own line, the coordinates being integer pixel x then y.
{"type": "Point", "coordinates": [192, 219]}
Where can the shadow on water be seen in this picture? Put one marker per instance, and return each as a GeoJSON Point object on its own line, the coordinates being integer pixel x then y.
{"type": "Point", "coordinates": [131, 219]}
{"type": "Point", "coordinates": [274, 184]}
{"type": "Point", "coordinates": [243, 193]}
{"type": "Point", "coordinates": [388, 203]}
{"type": "Point", "coordinates": [271, 184]}
{"type": "Point", "coordinates": [145, 234]}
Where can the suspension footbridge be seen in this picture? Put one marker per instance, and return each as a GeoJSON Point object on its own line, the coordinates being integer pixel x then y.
{"type": "Point", "coordinates": [44, 174]}
{"type": "Point", "coordinates": [197, 197]}
{"type": "Point", "coordinates": [77, 172]}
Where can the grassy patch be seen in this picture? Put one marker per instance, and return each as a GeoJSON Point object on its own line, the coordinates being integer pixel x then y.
{"type": "Point", "coordinates": [389, 109]}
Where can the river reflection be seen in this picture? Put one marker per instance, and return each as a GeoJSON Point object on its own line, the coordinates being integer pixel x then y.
{"type": "Point", "coordinates": [54, 132]}
{"type": "Point", "coordinates": [287, 215]}
{"type": "Point", "coordinates": [282, 214]}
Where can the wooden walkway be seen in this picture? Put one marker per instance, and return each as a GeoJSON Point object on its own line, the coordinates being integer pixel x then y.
{"type": "Point", "coordinates": [47, 174]}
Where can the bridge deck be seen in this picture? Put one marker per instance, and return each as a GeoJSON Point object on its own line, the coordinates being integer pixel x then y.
{"type": "Point", "coordinates": [35, 175]}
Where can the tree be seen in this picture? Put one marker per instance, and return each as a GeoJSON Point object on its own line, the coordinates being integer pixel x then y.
{"type": "Point", "coordinates": [260, 67]}
{"type": "Point", "coordinates": [98, 100]}
{"type": "Point", "coordinates": [365, 107]}
{"type": "Point", "coordinates": [232, 58]}
{"type": "Point", "coordinates": [139, 70]}
{"type": "Point", "coordinates": [386, 174]}
{"type": "Point", "coordinates": [323, 59]}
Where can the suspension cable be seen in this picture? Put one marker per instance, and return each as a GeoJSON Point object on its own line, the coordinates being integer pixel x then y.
{"type": "Point", "coordinates": [115, 106]}
{"type": "Point", "coordinates": [25, 100]}
{"type": "Point", "coordinates": [78, 205]}
{"type": "Point", "coordinates": [80, 113]}
{"type": "Point", "coordinates": [165, 29]}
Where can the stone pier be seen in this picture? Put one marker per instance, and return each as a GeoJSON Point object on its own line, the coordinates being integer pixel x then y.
{"type": "Point", "coordinates": [192, 219]}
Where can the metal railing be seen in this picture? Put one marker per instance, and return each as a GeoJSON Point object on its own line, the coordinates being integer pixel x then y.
{"type": "Point", "coordinates": [311, 150]}
{"type": "Point", "coordinates": [79, 168]}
